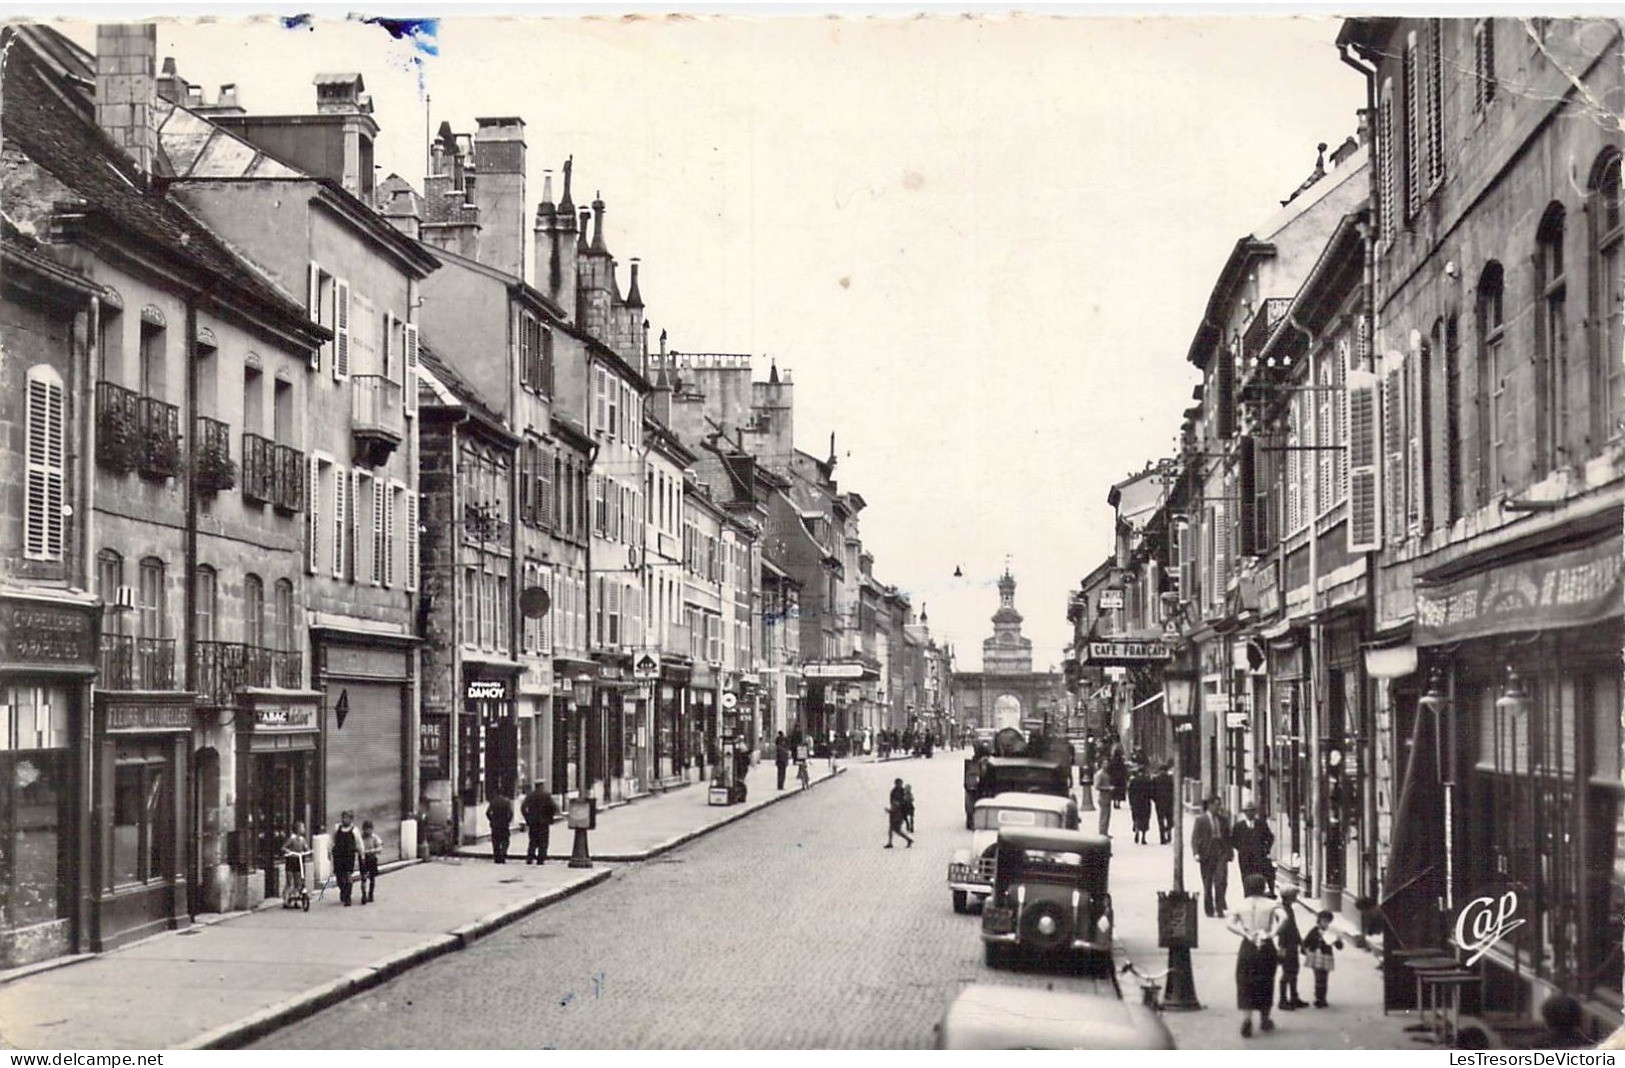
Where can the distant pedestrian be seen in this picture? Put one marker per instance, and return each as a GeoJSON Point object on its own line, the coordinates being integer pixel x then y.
{"type": "Point", "coordinates": [1103, 799]}
{"type": "Point", "coordinates": [781, 757]}
{"type": "Point", "coordinates": [1253, 840]}
{"type": "Point", "coordinates": [1317, 953]}
{"type": "Point", "coordinates": [1118, 767]}
{"type": "Point", "coordinates": [345, 852]}
{"type": "Point", "coordinates": [295, 855]}
{"type": "Point", "coordinates": [895, 814]}
{"type": "Point", "coordinates": [1290, 944]}
{"type": "Point", "coordinates": [1162, 796]}
{"type": "Point", "coordinates": [1258, 922]}
{"type": "Point", "coordinates": [499, 813]}
{"type": "Point", "coordinates": [1139, 802]}
{"type": "Point", "coordinates": [1563, 1017]}
{"type": "Point", "coordinates": [372, 847]}
{"type": "Point", "coordinates": [908, 806]}
{"type": "Point", "coordinates": [1210, 842]}
{"type": "Point", "coordinates": [539, 810]}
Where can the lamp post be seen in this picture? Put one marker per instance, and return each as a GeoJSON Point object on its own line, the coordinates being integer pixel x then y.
{"type": "Point", "coordinates": [1176, 909]}
{"type": "Point", "coordinates": [1436, 702]}
{"type": "Point", "coordinates": [580, 814]}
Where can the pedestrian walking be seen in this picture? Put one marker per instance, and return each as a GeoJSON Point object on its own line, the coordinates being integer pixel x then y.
{"type": "Point", "coordinates": [1103, 798]}
{"type": "Point", "coordinates": [1210, 842]}
{"type": "Point", "coordinates": [1317, 953]}
{"type": "Point", "coordinates": [1162, 796]}
{"type": "Point", "coordinates": [1119, 773]}
{"type": "Point", "coordinates": [894, 814]}
{"type": "Point", "coordinates": [372, 847]}
{"type": "Point", "coordinates": [1253, 841]}
{"type": "Point", "coordinates": [539, 810]}
{"type": "Point", "coordinates": [499, 813]}
{"type": "Point", "coordinates": [1258, 922]}
{"type": "Point", "coordinates": [1290, 944]}
{"type": "Point", "coordinates": [781, 757]}
{"type": "Point", "coordinates": [908, 806]}
{"type": "Point", "coordinates": [1139, 802]}
{"type": "Point", "coordinates": [345, 852]}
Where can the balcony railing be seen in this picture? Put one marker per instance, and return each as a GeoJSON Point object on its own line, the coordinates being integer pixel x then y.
{"type": "Point", "coordinates": [1260, 327]}
{"type": "Point", "coordinates": [212, 466]}
{"type": "Point", "coordinates": [259, 469]}
{"type": "Point", "coordinates": [221, 669]}
{"type": "Point", "coordinates": [118, 427]}
{"type": "Point", "coordinates": [130, 663]}
{"type": "Point", "coordinates": [377, 422]}
{"type": "Point", "coordinates": [160, 447]}
{"type": "Point", "coordinates": [482, 523]}
{"type": "Point", "coordinates": [290, 479]}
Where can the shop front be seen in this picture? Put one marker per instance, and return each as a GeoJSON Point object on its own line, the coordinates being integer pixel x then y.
{"type": "Point", "coordinates": [276, 778]}
{"type": "Point", "coordinates": [671, 733]}
{"type": "Point", "coordinates": [533, 707]}
{"type": "Point", "coordinates": [703, 730]}
{"type": "Point", "coordinates": [141, 772]}
{"type": "Point", "coordinates": [487, 743]}
{"type": "Point", "coordinates": [1522, 668]}
{"type": "Point", "coordinates": [366, 765]}
{"type": "Point", "coordinates": [47, 657]}
{"type": "Point", "coordinates": [1287, 755]}
{"type": "Point", "coordinates": [572, 704]}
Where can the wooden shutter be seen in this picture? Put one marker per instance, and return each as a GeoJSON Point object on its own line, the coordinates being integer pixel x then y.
{"type": "Point", "coordinates": [380, 490]}
{"type": "Point", "coordinates": [313, 305]}
{"type": "Point", "coordinates": [599, 400]}
{"type": "Point", "coordinates": [1393, 445]}
{"type": "Point", "coordinates": [544, 489]}
{"type": "Point", "coordinates": [1365, 517]}
{"type": "Point", "coordinates": [1434, 103]}
{"type": "Point", "coordinates": [411, 541]}
{"type": "Point", "coordinates": [1413, 128]}
{"type": "Point", "coordinates": [390, 532]}
{"type": "Point", "coordinates": [409, 373]}
{"type": "Point", "coordinates": [390, 371]}
{"type": "Point", "coordinates": [313, 517]}
{"type": "Point", "coordinates": [341, 329]}
{"type": "Point", "coordinates": [1387, 173]}
{"type": "Point", "coordinates": [43, 525]}
{"type": "Point", "coordinates": [341, 530]}
{"type": "Point", "coordinates": [1225, 405]}
{"type": "Point", "coordinates": [1247, 490]}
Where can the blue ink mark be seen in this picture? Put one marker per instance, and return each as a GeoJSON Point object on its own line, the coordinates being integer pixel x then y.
{"type": "Point", "coordinates": [299, 22]}
{"type": "Point", "coordinates": [424, 34]}
{"type": "Point", "coordinates": [566, 1000]}
{"type": "Point", "coordinates": [598, 985]}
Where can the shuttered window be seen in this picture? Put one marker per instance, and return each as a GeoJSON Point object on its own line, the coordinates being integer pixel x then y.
{"type": "Point", "coordinates": [1413, 127]}
{"type": "Point", "coordinates": [44, 529]}
{"type": "Point", "coordinates": [341, 329]}
{"type": "Point", "coordinates": [409, 347]}
{"type": "Point", "coordinates": [341, 531]}
{"type": "Point", "coordinates": [1483, 63]}
{"type": "Point", "coordinates": [1434, 103]}
{"type": "Point", "coordinates": [1393, 443]}
{"type": "Point", "coordinates": [411, 541]}
{"type": "Point", "coordinates": [1365, 518]}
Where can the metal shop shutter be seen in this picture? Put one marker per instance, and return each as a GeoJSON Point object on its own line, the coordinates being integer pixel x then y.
{"type": "Point", "coordinates": [364, 764]}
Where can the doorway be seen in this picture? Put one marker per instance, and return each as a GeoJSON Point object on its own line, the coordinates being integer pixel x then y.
{"type": "Point", "coordinates": [281, 798]}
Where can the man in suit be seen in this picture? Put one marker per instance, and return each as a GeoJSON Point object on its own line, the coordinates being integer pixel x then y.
{"type": "Point", "coordinates": [1253, 840]}
{"type": "Point", "coordinates": [1162, 796]}
{"type": "Point", "coordinates": [1210, 842]}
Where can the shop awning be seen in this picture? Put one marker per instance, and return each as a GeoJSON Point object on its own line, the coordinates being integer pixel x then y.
{"type": "Point", "coordinates": [1414, 888]}
{"type": "Point", "coordinates": [1572, 589]}
{"type": "Point", "coordinates": [1153, 699]}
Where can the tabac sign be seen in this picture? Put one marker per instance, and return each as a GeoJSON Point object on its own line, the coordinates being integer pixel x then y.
{"type": "Point", "coordinates": [1569, 590]}
{"type": "Point", "coordinates": [1113, 652]}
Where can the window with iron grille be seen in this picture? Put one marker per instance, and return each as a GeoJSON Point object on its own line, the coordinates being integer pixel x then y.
{"type": "Point", "coordinates": [1484, 82]}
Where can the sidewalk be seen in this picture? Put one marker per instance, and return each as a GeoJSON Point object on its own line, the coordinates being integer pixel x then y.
{"type": "Point", "coordinates": [227, 980]}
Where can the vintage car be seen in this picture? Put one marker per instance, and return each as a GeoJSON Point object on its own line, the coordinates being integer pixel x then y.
{"type": "Point", "coordinates": [988, 776]}
{"type": "Point", "coordinates": [1016, 1017]}
{"type": "Point", "coordinates": [970, 872]}
{"type": "Point", "coordinates": [1050, 897]}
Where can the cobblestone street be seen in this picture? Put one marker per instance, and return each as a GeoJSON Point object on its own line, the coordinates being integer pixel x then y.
{"type": "Point", "coordinates": [791, 929]}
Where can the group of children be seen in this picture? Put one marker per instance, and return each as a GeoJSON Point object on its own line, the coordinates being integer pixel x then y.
{"type": "Point", "coordinates": [348, 850]}
{"type": "Point", "coordinates": [1271, 942]}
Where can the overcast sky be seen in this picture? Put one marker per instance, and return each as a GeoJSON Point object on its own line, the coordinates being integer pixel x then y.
{"type": "Point", "coordinates": [981, 245]}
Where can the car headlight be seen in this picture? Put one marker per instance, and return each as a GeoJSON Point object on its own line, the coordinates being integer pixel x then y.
{"type": "Point", "coordinates": [1046, 925]}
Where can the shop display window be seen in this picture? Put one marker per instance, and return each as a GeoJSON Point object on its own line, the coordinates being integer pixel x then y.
{"type": "Point", "coordinates": [35, 780]}
{"type": "Point", "coordinates": [143, 795]}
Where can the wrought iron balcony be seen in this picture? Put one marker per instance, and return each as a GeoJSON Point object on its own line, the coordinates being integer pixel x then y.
{"type": "Point", "coordinates": [212, 466]}
{"type": "Point", "coordinates": [377, 420]}
{"type": "Point", "coordinates": [222, 669]}
{"type": "Point", "coordinates": [130, 663]}
{"type": "Point", "coordinates": [290, 479]}
{"type": "Point", "coordinates": [118, 427]}
{"type": "Point", "coordinates": [160, 442]}
{"type": "Point", "coordinates": [259, 469]}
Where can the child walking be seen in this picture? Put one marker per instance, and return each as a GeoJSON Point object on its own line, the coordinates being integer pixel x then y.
{"type": "Point", "coordinates": [1317, 953]}
{"type": "Point", "coordinates": [1291, 943]}
{"type": "Point", "coordinates": [371, 847]}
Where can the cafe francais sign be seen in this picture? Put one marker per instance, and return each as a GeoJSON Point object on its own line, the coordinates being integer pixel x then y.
{"type": "Point", "coordinates": [1120, 653]}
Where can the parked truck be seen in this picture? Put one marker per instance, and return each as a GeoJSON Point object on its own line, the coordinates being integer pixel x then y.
{"type": "Point", "coordinates": [1014, 763]}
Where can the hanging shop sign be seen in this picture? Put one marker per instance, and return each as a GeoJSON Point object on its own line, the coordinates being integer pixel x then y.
{"type": "Point", "coordinates": [284, 717]}
{"type": "Point", "coordinates": [1573, 589]}
{"type": "Point", "coordinates": [1123, 653]}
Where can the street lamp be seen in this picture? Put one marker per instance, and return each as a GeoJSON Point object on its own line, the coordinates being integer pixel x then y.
{"type": "Point", "coordinates": [580, 813]}
{"type": "Point", "coordinates": [1176, 909]}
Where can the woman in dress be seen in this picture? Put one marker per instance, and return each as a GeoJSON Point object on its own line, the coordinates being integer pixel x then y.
{"type": "Point", "coordinates": [1258, 921]}
{"type": "Point", "coordinates": [1139, 801]}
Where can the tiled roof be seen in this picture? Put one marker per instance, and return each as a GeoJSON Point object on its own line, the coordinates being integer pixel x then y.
{"type": "Point", "coordinates": [52, 129]}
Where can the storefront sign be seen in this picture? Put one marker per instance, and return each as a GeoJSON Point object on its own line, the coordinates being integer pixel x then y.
{"type": "Point", "coordinates": [43, 634]}
{"type": "Point", "coordinates": [832, 670]}
{"type": "Point", "coordinates": [434, 735]}
{"type": "Point", "coordinates": [646, 667]}
{"type": "Point", "coordinates": [486, 690]}
{"type": "Point", "coordinates": [1121, 653]}
{"type": "Point", "coordinates": [143, 718]}
{"type": "Point", "coordinates": [1570, 590]}
{"type": "Point", "coordinates": [1111, 600]}
{"type": "Point", "coordinates": [283, 717]}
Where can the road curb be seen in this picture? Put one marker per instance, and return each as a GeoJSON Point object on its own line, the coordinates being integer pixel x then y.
{"type": "Point", "coordinates": [308, 1003]}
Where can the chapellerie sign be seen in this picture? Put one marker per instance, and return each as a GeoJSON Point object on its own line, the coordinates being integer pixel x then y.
{"type": "Point", "coordinates": [1570, 590]}
{"type": "Point", "coordinates": [44, 634]}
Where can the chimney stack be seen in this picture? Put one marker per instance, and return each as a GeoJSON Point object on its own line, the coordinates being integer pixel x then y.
{"type": "Point", "coordinates": [127, 89]}
{"type": "Point", "coordinates": [499, 160]}
{"type": "Point", "coordinates": [556, 226]}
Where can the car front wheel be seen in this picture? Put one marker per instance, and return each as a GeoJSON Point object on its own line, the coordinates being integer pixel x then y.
{"type": "Point", "coordinates": [993, 954]}
{"type": "Point", "coordinates": [960, 901]}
